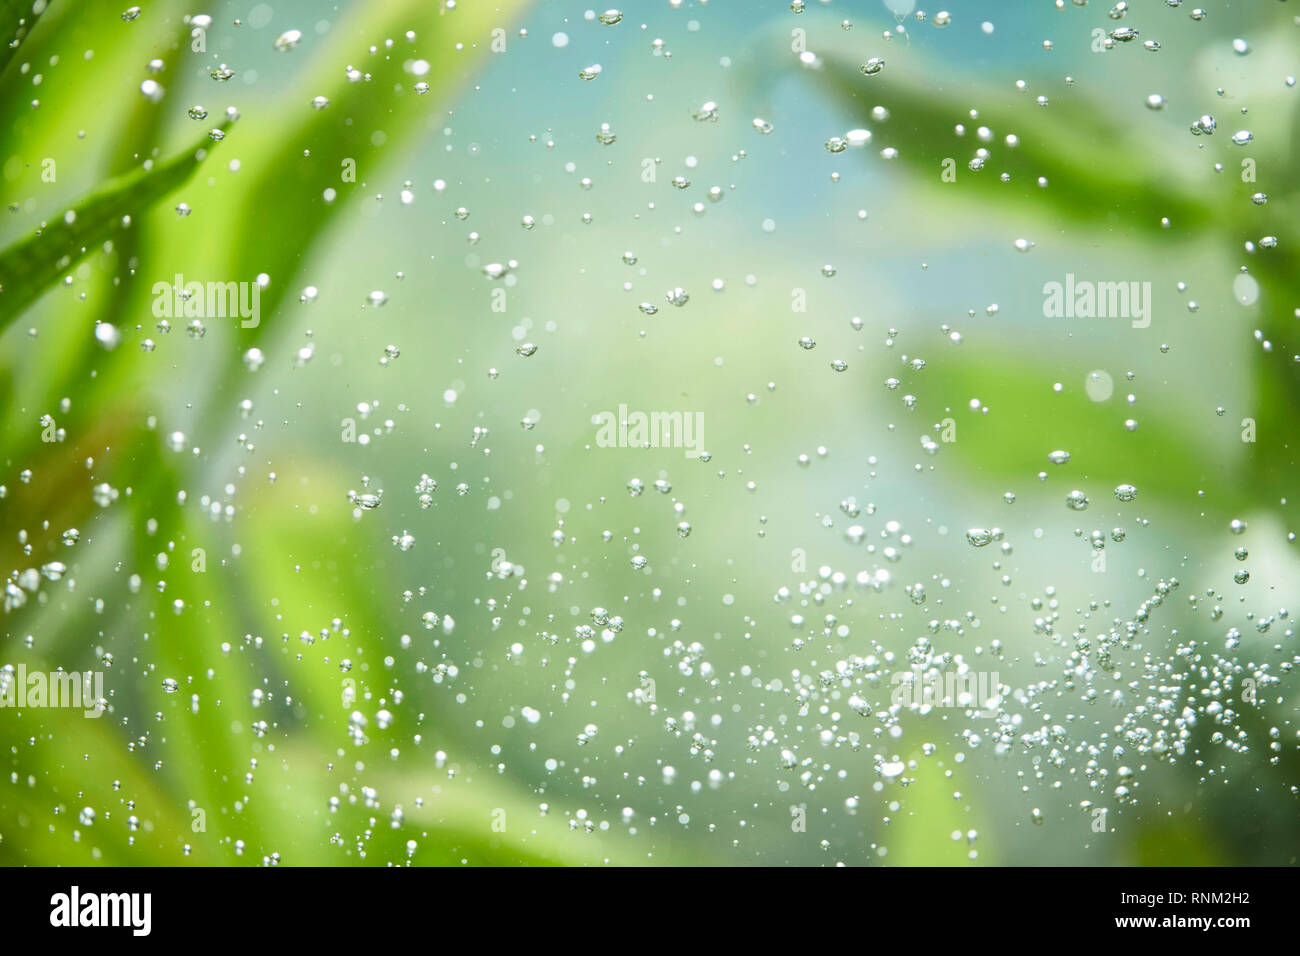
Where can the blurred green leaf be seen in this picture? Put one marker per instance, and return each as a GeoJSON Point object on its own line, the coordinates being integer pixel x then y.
{"type": "Point", "coordinates": [1010, 445]}
{"type": "Point", "coordinates": [17, 18]}
{"type": "Point", "coordinates": [1183, 842]}
{"type": "Point", "coordinates": [28, 268]}
{"type": "Point", "coordinates": [1064, 143]}
{"type": "Point", "coordinates": [292, 149]}
{"type": "Point", "coordinates": [1275, 453]}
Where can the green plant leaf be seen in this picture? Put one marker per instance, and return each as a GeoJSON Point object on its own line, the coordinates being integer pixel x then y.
{"type": "Point", "coordinates": [18, 17]}
{"type": "Point", "coordinates": [29, 267]}
{"type": "Point", "coordinates": [1009, 446]}
{"type": "Point", "coordinates": [1062, 144]}
{"type": "Point", "coordinates": [288, 163]}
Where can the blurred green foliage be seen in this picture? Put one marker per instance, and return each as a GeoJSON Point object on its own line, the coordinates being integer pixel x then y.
{"type": "Point", "coordinates": [97, 762]}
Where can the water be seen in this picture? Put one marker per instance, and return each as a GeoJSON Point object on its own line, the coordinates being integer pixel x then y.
{"type": "Point", "coordinates": [703, 354]}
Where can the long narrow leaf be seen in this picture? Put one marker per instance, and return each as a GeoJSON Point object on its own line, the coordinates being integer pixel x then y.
{"type": "Point", "coordinates": [1063, 145]}
{"type": "Point", "coordinates": [18, 17]}
{"type": "Point", "coordinates": [32, 265]}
